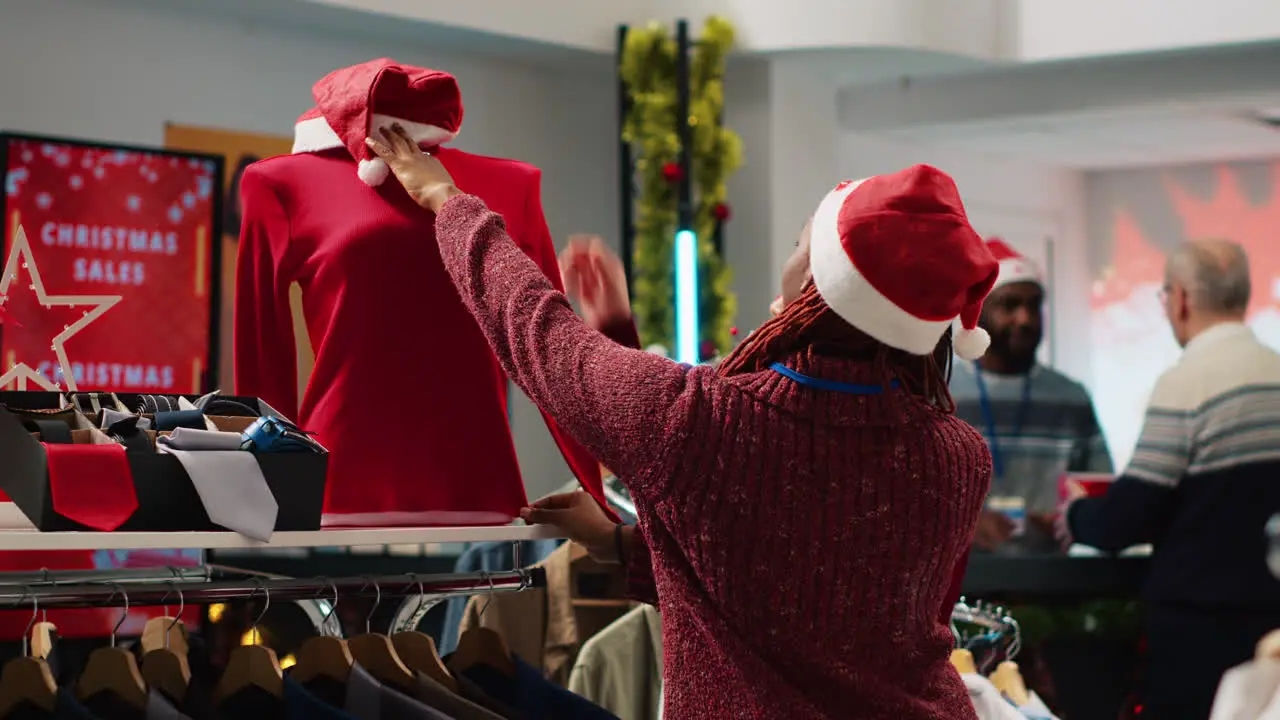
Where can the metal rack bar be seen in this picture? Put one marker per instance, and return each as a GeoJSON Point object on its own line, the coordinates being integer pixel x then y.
{"type": "Point", "coordinates": [198, 574]}
{"type": "Point", "coordinates": [116, 594]}
{"type": "Point", "coordinates": [990, 617]}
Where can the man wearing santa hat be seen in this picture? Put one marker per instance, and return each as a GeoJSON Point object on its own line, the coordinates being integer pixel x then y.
{"type": "Point", "coordinates": [1038, 422]}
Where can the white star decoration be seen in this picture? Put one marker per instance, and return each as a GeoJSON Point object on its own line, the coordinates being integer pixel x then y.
{"type": "Point", "coordinates": [21, 373]}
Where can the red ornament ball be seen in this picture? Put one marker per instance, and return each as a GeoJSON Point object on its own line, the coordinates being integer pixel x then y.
{"type": "Point", "coordinates": [721, 212]}
{"type": "Point", "coordinates": [733, 331]}
{"type": "Point", "coordinates": [672, 172]}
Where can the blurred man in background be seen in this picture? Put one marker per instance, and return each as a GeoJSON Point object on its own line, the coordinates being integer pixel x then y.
{"type": "Point", "coordinates": [1201, 487]}
{"type": "Point", "coordinates": [1038, 422]}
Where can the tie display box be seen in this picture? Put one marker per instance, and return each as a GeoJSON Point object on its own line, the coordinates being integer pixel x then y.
{"type": "Point", "coordinates": [106, 461]}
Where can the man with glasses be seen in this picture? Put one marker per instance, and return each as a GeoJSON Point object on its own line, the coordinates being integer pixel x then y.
{"type": "Point", "coordinates": [1201, 487]}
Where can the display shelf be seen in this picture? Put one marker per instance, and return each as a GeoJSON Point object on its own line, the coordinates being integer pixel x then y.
{"type": "Point", "coordinates": [30, 539]}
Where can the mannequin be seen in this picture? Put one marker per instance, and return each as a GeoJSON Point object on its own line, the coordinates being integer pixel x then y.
{"type": "Point", "coordinates": [405, 392]}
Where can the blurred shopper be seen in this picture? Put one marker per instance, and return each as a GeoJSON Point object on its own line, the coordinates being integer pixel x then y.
{"type": "Point", "coordinates": [1203, 481]}
{"type": "Point", "coordinates": [802, 505]}
{"type": "Point", "coordinates": [1038, 422]}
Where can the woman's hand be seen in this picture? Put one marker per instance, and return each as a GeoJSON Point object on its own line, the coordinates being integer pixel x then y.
{"type": "Point", "coordinates": [595, 278]}
{"type": "Point", "coordinates": [422, 175]}
{"type": "Point", "coordinates": [578, 516]}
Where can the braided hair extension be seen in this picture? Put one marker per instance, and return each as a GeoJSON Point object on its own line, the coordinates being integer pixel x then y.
{"type": "Point", "coordinates": [810, 326]}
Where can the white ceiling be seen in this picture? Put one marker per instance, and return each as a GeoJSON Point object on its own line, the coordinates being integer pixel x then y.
{"type": "Point", "coordinates": [1111, 140]}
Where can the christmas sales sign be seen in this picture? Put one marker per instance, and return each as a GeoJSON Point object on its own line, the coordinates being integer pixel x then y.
{"type": "Point", "coordinates": [110, 271]}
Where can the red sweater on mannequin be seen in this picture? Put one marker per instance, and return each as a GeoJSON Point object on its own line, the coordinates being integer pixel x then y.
{"type": "Point", "coordinates": [405, 392]}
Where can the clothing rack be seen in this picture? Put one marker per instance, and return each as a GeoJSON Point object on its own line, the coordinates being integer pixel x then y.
{"type": "Point", "coordinates": [111, 593]}
{"type": "Point", "coordinates": [1002, 630]}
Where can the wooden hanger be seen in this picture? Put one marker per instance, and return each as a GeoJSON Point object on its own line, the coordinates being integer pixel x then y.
{"type": "Point", "coordinates": [28, 679]}
{"type": "Point", "coordinates": [419, 652]}
{"type": "Point", "coordinates": [43, 636]}
{"type": "Point", "coordinates": [324, 656]}
{"type": "Point", "coordinates": [114, 670]}
{"type": "Point", "coordinates": [1008, 680]}
{"type": "Point", "coordinates": [165, 666]}
{"type": "Point", "coordinates": [252, 666]}
{"type": "Point", "coordinates": [962, 661]}
{"type": "Point", "coordinates": [376, 654]}
{"type": "Point", "coordinates": [479, 645]}
{"type": "Point", "coordinates": [482, 646]}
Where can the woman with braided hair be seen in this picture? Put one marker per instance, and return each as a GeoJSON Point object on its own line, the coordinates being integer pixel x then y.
{"type": "Point", "coordinates": [802, 506]}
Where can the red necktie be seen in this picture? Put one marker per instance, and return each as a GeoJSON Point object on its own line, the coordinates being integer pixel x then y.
{"type": "Point", "coordinates": [91, 484]}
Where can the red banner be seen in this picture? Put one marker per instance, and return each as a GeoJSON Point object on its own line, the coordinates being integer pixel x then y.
{"type": "Point", "coordinates": [103, 222]}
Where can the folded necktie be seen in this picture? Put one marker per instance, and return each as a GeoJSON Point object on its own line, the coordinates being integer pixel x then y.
{"type": "Point", "coordinates": [91, 484]}
{"type": "Point", "coordinates": [231, 487]}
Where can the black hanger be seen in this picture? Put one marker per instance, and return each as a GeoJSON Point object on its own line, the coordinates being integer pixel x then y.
{"type": "Point", "coordinates": [28, 679]}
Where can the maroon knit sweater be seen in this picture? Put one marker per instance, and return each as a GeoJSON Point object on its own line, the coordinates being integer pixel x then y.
{"type": "Point", "coordinates": [801, 541]}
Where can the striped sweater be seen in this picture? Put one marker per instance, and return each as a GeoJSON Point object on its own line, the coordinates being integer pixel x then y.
{"type": "Point", "coordinates": [1204, 478]}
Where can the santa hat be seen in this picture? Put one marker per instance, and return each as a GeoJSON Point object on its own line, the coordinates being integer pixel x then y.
{"type": "Point", "coordinates": [895, 256]}
{"type": "Point", "coordinates": [1014, 267]}
{"type": "Point", "coordinates": [355, 102]}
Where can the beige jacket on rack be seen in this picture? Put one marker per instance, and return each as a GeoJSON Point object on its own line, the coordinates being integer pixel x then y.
{"type": "Point", "coordinates": [620, 669]}
{"type": "Point", "coordinates": [538, 624]}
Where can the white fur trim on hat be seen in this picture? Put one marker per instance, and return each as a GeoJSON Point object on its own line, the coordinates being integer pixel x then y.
{"type": "Point", "coordinates": [315, 135]}
{"type": "Point", "coordinates": [852, 297]}
{"type": "Point", "coordinates": [1016, 270]}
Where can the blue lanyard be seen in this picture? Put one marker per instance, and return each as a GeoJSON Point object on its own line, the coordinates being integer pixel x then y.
{"type": "Point", "coordinates": [989, 417]}
{"type": "Point", "coordinates": [830, 385]}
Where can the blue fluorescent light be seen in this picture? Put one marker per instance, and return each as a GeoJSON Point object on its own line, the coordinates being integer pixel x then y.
{"type": "Point", "coordinates": [687, 297]}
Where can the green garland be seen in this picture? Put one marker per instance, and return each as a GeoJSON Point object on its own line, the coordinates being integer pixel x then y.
{"type": "Point", "coordinates": [648, 67]}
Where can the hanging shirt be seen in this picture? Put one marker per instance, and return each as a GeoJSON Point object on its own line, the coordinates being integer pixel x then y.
{"type": "Point", "coordinates": [487, 557]}
{"type": "Point", "coordinates": [304, 705]}
{"type": "Point", "coordinates": [159, 708]}
{"type": "Point", "coordinates": [368, 699]}
{"type": "Point", "coordinates": [446, 701]}
{"type": "Point", "coordinates": [534, 697]}
{"type": "Point", "coordinates": [1038, 425]}
{"type": "Point", "coordinates": [539, 624]}
{"type": "Point", "coordinates": [620, 668]}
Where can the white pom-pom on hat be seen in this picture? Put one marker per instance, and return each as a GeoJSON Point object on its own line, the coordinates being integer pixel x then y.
{"type": "Point", "coordinates": [971, 344]}
{"type": "Point", "coordinates": [373, 172]}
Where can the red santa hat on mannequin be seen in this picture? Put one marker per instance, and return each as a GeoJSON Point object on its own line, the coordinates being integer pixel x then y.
{"type": "Point", "coordinates": [1014, 267]}
{"type": "Point", "coordinates": [354, 102]}
{"type": "Point", "coordinates": [894, 256]}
